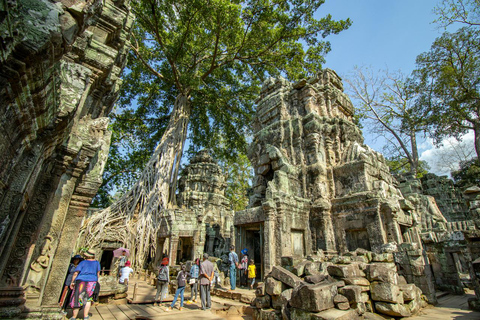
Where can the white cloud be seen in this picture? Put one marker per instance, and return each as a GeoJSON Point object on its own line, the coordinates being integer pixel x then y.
{"type": "Point", "coordinates": [444, 159]}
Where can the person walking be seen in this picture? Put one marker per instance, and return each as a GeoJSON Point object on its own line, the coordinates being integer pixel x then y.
{"type": "Point", "coordinates": [243, 268]}
{"type": "Point", "coordinates": [124, 273]}
{"type": "Point", "coordinates": [162, 281]}
{"type": "Point", "coordinates": [194, 271]}
{"type": "Point", "coordinates": [84, 282]}
{"type": "Point", "coordinates": [67, 292]}
{"type": "Point", "coordinates": [252, 273]}
{"type": "Point", "coordinates": [205, 276]}
{"type": "Point", "coordinates": [182, 282]}
{"type": "Point", "coordinates": [233, 260]}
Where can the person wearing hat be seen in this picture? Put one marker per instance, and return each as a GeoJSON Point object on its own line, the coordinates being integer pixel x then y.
{"type": "Point", "coordinates": [243, 268]}
{"type": "Point", "coordinates": [83, 283]}
{"type": "Point", "coordinates": [163, 280]}
{"type": "Point", "coordinates": [124, 273]}
{"type": "Point", "coordinates": [67, 292]}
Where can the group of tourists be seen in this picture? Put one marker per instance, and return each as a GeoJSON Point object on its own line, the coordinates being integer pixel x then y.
{"type": "Point", "coordinates": [200, 274]}
{"type": "Point", "coordinates": [246, 268]}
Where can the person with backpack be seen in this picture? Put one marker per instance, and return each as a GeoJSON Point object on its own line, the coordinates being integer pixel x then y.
{"type": "Point", "coordinates": [182, 282]}
{"type": "Point", "coordinates": [162, 281]}
{"type": "Point", "coordinates": [233, 259]}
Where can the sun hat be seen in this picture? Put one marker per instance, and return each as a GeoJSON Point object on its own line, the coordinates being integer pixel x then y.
{"type": "Point", "coordinates": [77, 256]}
{"type": "Point", "coordinates": [244, 251]}
{"type": "Point", "coordinates": [90, 253]}
{"type": "Point", "coordinates": [127, 264]}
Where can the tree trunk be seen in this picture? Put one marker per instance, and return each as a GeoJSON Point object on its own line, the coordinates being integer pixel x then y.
{"type": "Point", "coordinates": [414, 157]}
{"type": "Point", "coordinates": [135, 218]}
{"type": "Point", "coordinates": [476, 130]}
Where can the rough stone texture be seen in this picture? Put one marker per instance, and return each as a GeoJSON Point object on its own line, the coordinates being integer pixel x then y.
{"type": "Point", "coordinates": [386, 292]}
{"type": "Point", "coordinates": [314, 298]}
{"type": "Point", "coordinates": [273, 287]}
{"type": "Point", "coordinates": [345, 271]}
{"type": "Point", "coordinates": [395, 310]}
{"type": "Point", "coordinates": [285, 276]}
{"type": "Point", "coordinates": [352, 293]}
{"type": "Point", "coordinates": [382, 272]}
{"type": "Point", "coordinates": [59, 79]}
{"type": "Point", "coordinates": [334, 314]}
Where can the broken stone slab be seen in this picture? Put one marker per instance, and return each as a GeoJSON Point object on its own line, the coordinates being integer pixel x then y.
{"type": "Point", "coordinates": [300, 314]}
{"type": "Point", "coordinates": [281, 301]}
{"type": "Point", "coordinates": [343, 306]}
{"type": "Point", "coordinates": [392, 309]}
{"type": "Point", "coordinates": [273, 287]}
{"type": "Point", "coordinates": [260, 291]}
{"type": "Point", "coordinates": [414, 306]}
{"type": "Point", "coordinates": [373, 316]}
{"type": "Point", "coordinates": [381, 272]}
{"type": "Point", "coordinates": [410, 292]}
{"type": "Point", "coordinates": [341, 302]}
{"type": "Point", "coordinates": [263, 302]}
{"type": "Point", "coordinates": [285, 276]}
{"type": "Point", "coordinates": [317, 278]}
{"type": "Point", "coordinates": [311, 268]}
{"type": "Point", "coordinates": [387, 247]}
{"type": "Point", "coordinates": [267, 314]}
{"type": "Point", "coordinates": [299, 269]}
{"type": "Point", "coordinates": [345, 271]}
{"type": "Point", "coordinates": [314, 298]}
{"type": "Point", "coordinates": [382, 257]}
{"type": "Point", "coordinates": [335, 314]}
{"type": "Point", "coordinates": [352, 293]}
{"type": "Point", "coordinates": [357, 282]}
{"type": "Point", "coordinates": [386, 292]}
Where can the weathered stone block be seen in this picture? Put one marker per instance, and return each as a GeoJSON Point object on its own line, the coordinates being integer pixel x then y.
{"type": "Point", "coordinates": [410, 292]}
{"type": "Point", "coordinates": [357, 281]}
{"type": "Point", "coordinates": [391, 309]}
{"type": "Point", "coordinates": [380, 272]}
{"type": "Point", "coordinates": [352, 293]}
{"type": "Point", "coordinates": [386, 292]}
{"type": "Point", "coordinates": [313, 298]}
{"type": "Point", "coordinates": [382, 257]}
{"type": "Point", "coordinates": [285, 276]}
{"type": "Point", "coordinates": [260, 291]}
{"type": "Point", "coordinates": [273, 287]}
{"type": "Point", "coordinates": [311, 268]}
{"type": "Point", "coordinates": [263, 302]}
{"type": "Point", "coordinates": [300, 314]}
{"type": "Point", "coordinates": [267, 314]}
{"type": "Point", "coordinates": [317, 278]}
{"type": "Point", "coordinates": [281, 301]}
{"type": "Point", "coordinates": [345, 271]}
{"type": "Point", "coordinates": [334, 314]}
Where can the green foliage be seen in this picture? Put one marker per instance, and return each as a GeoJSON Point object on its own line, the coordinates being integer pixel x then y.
{"type": "Point", "coordinates": [240, 174]}
{"type": "Point", "coordinates": [448, 80]}
{"type": "Point", "coordinates": [458, 11]}
{"type": "Point", "coordinates": [400, 166]}
{"type": "Point", "coordinates": [468, 175]}
{"type": "Point", "coordinates": [217, 53]}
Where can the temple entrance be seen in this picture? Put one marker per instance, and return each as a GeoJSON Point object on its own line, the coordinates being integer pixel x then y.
{"type": "Point", "coordinates": [250, 237]}
{"type": "Point", "coordinates": [185, 250]}
{"type": "Point", "coordinates": [106, 261]}
{"type": "Point", "coordinates": [357, 238]}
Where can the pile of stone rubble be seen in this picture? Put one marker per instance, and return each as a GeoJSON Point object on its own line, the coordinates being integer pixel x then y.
{"type": "Point", "coordinates": [359, 285]}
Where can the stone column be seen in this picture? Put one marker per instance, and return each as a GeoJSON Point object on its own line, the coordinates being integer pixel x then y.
{"type": "Point", "coordinates": [173, 249]}
{"type": "Point", "coordinates": [269, 237]}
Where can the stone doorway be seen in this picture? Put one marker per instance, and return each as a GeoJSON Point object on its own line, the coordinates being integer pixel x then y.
{"type": "Point", "coordinates": [253, 243]}
{"type": "Point", "coordinates": [106, 261]}
{"type": "Point", "coordinates": [185, 250]}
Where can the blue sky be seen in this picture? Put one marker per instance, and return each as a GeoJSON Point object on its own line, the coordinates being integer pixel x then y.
{"type": "Point", "coordinates": [385, 34]}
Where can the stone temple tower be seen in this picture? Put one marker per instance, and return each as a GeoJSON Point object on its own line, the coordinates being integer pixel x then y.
{"type": "Point", "coordinates": [316, 185]}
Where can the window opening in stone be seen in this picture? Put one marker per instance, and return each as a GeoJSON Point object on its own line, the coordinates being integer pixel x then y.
{"type": "Point", "coordinates": [185, 250]}
{"type": "Point", "coordinates": [357, 238]}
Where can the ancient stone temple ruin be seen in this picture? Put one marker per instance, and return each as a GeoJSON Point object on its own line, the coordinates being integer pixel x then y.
{"type": "Point", "coordinates": [203, 221]}
{"type": "Point", "coordinates": [60, 62]}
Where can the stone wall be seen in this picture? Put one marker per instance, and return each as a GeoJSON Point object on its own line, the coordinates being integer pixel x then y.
{"type": "Point", "coordinates": [59, 68]}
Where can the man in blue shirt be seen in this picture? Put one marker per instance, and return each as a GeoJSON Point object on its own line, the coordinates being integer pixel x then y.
{"type": "Point", "coordinates": [233, 259]}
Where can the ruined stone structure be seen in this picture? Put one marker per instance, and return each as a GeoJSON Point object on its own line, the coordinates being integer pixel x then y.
{"type": "Point", "coordinates": [59, 68]}
{"type": "Point", "coordinates": [203, 221]}
{"type": "Point", "coordinates": [316, 185]}
{"type": "Point", "coordinates": [450, 200]}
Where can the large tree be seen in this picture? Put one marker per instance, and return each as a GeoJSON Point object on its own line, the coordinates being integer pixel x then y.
{"type": "Point", "coordinates": [201, 62]}
{"type": "Point", "coordinates": [448, 80]}
{"type": "Point", "coordinates": [384, 102]}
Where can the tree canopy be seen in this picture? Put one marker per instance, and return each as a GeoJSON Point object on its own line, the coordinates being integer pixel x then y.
{"type": "Point", "coordinates": [385, 101]}
{"type": "Point", "coordinates": [448, 80]}
{"type": "Point", "coordinates": [458, 11]}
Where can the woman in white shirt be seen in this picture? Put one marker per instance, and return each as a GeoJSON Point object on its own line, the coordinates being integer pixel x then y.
{"type": "Point", "coordinates": [125, 273]}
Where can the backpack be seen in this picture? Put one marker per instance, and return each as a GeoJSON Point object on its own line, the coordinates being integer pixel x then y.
{"type": "Point", "coordinates": [163, 273]}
